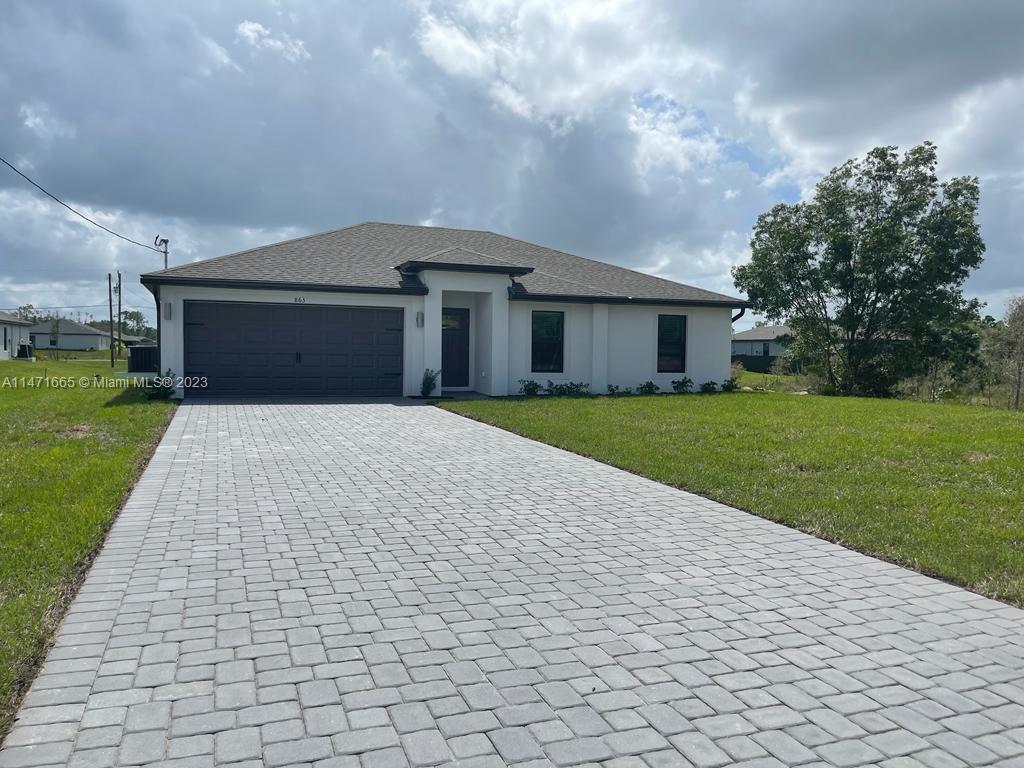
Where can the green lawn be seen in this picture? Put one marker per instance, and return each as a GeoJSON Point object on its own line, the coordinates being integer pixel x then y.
{"type": "Point", "coordinates": [938, 488]}
{"type": "Point", "coordinates": [67, 460]}
{"type": "Point", "coordinates": [776, 382]}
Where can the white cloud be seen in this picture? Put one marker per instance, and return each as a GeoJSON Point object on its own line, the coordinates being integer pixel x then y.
{"type": "Point", "coordinates": [670, 137]}
{"type": "Point", "coordinates": [453, 50]}
{"type": "Point", "coordinates": [39, 118]}
{"type": "Point", "coordinates": [560, 60]}
{"type": "Point", "coordinates": [258, 37]}
{"type": "Point", "coordinates": [215, 57]}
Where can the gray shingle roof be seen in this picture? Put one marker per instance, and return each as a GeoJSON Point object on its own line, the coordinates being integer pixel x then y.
{"type": "Point", "coordinates": [8, 319]}
{"type": "Point", "coordinates": [365, 256]}
{"type": "Point", "coordinates": [763, 333]}
{"type": "Point", "coordinates": [66, 326]}
{"type": "Point", "coordinates": [456, 255]}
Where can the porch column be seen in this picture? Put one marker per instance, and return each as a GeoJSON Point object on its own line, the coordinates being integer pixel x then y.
{"type": "Point", "coordinates": [432, 333]}
{"type": "Point", "coordinates": [499, 342]}
{"type": "Point", "coordinates": [599, 350]}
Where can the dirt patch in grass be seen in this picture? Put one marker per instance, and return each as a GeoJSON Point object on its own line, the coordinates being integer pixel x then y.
{"type": "Point", "coordinates": [976, 457]}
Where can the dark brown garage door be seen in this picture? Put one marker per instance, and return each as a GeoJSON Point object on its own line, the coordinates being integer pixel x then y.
{"type": "Point", "coordinates": [304, 350]}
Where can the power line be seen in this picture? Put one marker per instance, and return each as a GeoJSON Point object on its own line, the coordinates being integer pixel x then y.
{"type": "Point", "coordinates": [71, 306]}
{"type": "Point", "coordinates": [77, 213]}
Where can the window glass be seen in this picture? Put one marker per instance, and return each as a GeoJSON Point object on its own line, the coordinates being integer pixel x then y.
{"type": "Point", "coordinates": [548, 342]}
{"type": "Point", "coordinates": [671, 343]}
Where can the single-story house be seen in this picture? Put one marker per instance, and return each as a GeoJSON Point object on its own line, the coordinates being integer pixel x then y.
{"type": "Point", "coordinates": [759, 347]}
{"type": "Point", "coordinates": [366, 309]}
{"type": "Point", "coordinates": [130, 340]}
{"type": "Point", "coordinates": [15, 332]}
{"type": "Point", "coordinates": [67, 334]}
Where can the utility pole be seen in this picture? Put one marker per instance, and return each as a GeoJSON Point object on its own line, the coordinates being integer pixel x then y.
{"type": "Point", "coordinates": [120, 341]}
{"type": "Point", "coordinates": [161, 243]}
{"type": "Point", "coordinates": [110, 306]}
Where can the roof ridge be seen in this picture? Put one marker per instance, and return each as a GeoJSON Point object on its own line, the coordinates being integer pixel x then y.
{"type": "Point", "coordinates": [427, 226]}
{"type": "Point", "coordinates": [70, 322]}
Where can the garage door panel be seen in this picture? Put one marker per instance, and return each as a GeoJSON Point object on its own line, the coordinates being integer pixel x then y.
{"type": "Point", "coordinates": [232, 358]}
{"type": "Point", "coordinates": [280, 349]}
{"type": "Point", "coordinates": [255, 334]}
{"type": "Point", "coordinates": [281, 336]}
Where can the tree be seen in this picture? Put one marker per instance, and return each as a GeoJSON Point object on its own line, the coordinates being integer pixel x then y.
{"type": "Point", "coordinates": [869, 272]}
{"type": "Point", "coordinates": [133, 322]}
{"type": "Point", "coordinates": [1008, 349]}
{"type": "Point", "coordinates": [29, 314]}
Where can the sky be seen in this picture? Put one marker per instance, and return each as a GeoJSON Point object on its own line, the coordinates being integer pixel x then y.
{"type": "Point", "coordinates": [648, 134]}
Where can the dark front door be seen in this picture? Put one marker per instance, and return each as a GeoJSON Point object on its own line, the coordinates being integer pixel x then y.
{"type": "Point", "coordinates": [455, 347]}
{"type": "Point", "coordinates": [289, 350]}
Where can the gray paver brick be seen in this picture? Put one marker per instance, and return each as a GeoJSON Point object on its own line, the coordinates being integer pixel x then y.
{"type": "Point", "coordinates": [297, 752]}
{"type": "Point", "coordinates": [365, 740]}
{"type": "Point", "coordinates": [578, 751]}
{"type": "Point", "coordinates": [238, 744]}
{"type": "Point", "coordinates": [371, 585]}
{"type": "Point", "coordinates": [700, 750]}
{"type": "Point", "coordinates": [424, 748]}
{"type": "Point", "coordinates": [516, 744]}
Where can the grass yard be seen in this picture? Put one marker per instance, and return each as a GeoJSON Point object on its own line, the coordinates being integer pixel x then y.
{"type": "Point", "coordinates": [937, 488]}
{"type": "Point", "coordinates": [67, 460]}
{"type": "Point", "coordinates": [775, 382]}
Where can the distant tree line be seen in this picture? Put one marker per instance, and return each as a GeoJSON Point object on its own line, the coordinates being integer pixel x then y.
{"type": "Point", "coordinates": [133, 322]}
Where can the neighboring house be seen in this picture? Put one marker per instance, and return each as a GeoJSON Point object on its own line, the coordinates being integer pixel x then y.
{"type": "Point", "coordinates": [14, 332]}
{"type": "Point", "coordinates": [363, 310]}
{"type": "Point", "coordinates": [67, 334]}
{"type": "Point", "coordinates": [759, 347]}
{"type": "Point", "coordinates": [133, 341]}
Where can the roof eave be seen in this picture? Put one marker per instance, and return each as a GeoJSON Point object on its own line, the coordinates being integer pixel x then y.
{"type": "Point", "coordinates": [514, 295]}
{"type": "Point", "coordinates": [207, 282]}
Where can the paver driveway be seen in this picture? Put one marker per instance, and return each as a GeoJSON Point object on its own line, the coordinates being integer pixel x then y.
{"type": "Point", "coordinates": [339, 585]}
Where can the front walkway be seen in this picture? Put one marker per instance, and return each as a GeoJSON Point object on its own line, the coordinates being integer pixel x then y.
{"type": "Point", "coordinates": [376, 585]}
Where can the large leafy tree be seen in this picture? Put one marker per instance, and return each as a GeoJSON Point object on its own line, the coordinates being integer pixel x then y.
{"type": "Point", "coordinates": [869, 272]}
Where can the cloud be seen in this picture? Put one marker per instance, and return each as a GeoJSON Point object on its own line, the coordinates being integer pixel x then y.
{"type": "Point", "coordinates": [669, 136]}
{"type": "Point", "coordinates": [559, 60]}
{"type": "Point", "coordinates": [453, 50]}
{"type": "Point", "coordinates": [215, 57]}
{"type": "Point", "coordinates": [38, 117]}
{"type": "Point", "coordinates": [650, 134]}
{"type": "Point", "coordinates": [258, 37]}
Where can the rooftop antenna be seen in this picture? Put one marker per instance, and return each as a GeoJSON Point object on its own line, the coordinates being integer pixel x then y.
{"type": "Point", "coordinates": [161, 243]}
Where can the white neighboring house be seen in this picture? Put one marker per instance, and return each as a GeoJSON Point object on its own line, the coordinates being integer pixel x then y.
{"type": "Point", "coordinates": [67, 334]}
{"type": "Point", "coordinates": [764, 340]}
{"type": "Point", "coordinates": [759, 347]}
{"type": "Point", "coordinates": [363, 310]}
{"type": "Point", "coordinates": [14, 331]}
